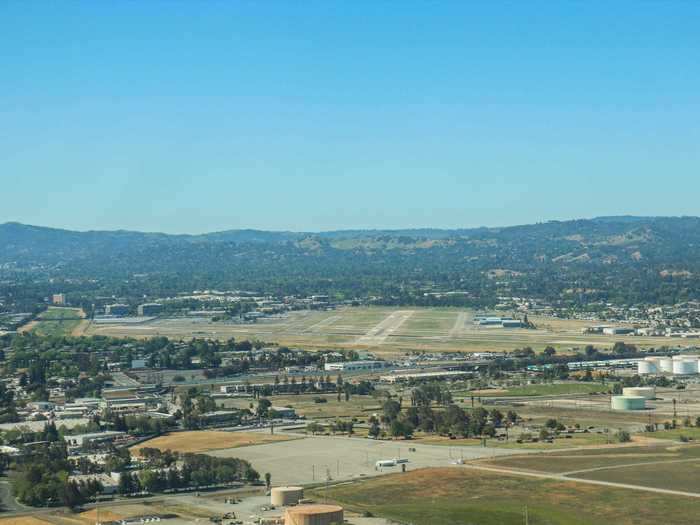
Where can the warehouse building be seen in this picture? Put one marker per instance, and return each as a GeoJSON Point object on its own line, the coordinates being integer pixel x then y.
{"type": "Point", "coordinates": [149, 309]}
{"type": "Point", "coordinates": [355, 366]}
{"type": "Point", "coordinates": [117, 310]}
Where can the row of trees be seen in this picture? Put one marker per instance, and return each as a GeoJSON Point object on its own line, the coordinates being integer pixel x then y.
{"type": "Point", "coordinates": [170, 471]}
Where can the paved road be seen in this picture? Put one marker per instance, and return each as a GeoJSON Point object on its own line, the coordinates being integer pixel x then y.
{"type": "Point", "coordinates": [8, 503]}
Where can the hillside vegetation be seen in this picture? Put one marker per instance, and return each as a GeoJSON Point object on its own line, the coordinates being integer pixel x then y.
{"type": "Point", "coordinates": [616, 259]}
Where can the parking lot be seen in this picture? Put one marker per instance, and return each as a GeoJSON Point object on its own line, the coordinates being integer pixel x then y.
{"type": "Point", "coordinates": [316, 459]}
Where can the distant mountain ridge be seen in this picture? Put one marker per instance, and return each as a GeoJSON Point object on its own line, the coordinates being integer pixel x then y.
{"type": "Point", "coordinates": [257, 235]}
{"type": "Point", "coordinates": [655, 259]}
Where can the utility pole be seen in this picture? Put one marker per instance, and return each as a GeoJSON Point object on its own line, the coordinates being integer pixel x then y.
{"type": "Point", "coordinates": [527, 519]}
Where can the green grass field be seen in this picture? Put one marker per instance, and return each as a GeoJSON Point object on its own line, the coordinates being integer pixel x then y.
{"type": "Point", "coordinates": [692, 433]}
{"type": "Point", "coordinates": [455, 496]}
{"type": "Point", "coordinates": [57, 321]}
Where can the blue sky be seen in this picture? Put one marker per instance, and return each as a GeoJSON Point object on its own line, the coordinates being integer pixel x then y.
{"type": "Point", "coordinates": [203, 116]}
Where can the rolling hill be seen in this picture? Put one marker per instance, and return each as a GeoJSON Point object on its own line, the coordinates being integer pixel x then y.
{"type": "Point", "coordinates": [621, 259]}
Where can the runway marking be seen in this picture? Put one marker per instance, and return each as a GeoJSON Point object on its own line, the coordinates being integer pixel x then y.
{"type": "Point", "coordinates": [459, 326]}
{"type": "Point", "coordinates": [387, 326]}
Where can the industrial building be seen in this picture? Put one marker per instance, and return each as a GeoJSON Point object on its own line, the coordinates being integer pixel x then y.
{"type": "Point", "coordinates": [511, 323]}
{"type": "Point", "coordinates": [355, 366]}
{"type": "Point", "coordinates": [503, 322]}
{"type": "Point", "coordinates": [149, 309]}
{"type": "Point", "coordinates": [424, 376]}
{"type": "Point", "coordinates": [78, 440]}
{"type": "Point", "coordinates": [616, 330]}
{"type": "Point", "coordinates": [117, 310]}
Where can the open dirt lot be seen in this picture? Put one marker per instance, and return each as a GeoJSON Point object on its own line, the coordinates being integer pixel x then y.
{"type": "Point", "coordinates": [381, 329]}
{"type": "Point", "coordinates": [198, 441]}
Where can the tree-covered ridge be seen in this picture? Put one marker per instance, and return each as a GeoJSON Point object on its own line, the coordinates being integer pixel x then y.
{"type": "Point", "coordinates": [618, 259]}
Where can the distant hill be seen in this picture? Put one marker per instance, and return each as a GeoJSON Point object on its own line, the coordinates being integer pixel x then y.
{"type": "Point", "coordinates": [628, 259]}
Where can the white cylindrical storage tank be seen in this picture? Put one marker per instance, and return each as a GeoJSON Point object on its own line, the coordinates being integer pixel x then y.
{"type": "Point", "coordinates": [646, 368]}
{"type": "Point", "coordinates": [284, 496]}
{"type": "Point", "coordinates": [666, 364]}
{"type": "Point", "coordinates": [693, 363]}
{"type": "Point", "coordinates": [647, 392]}
{"type": "Point", "coordinates": [683, 367]}
{"type": "Point", "coordinates": [627, 403]}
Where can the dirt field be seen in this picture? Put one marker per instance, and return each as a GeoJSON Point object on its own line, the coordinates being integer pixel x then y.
{"type": "Point", "coordinates": [23, 520]}
{"type": "Point", "coordinates": [184, 509]}
{"type": "Point", "coordinates": [197, 441]}
{"type": "Point", "coordinates": [304, 405]}
{"type": "Point", "coordinates": [383, 330]}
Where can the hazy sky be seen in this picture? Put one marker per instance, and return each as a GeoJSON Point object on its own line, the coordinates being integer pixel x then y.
{"type": "Point", "coordinates": [199, 115]}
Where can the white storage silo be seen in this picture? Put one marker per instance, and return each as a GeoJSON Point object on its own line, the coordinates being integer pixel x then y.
{"type": "Point", "coordinates": [693, 360]}
{"type": "Point", "coordinates": [647, 367]}
{"type": "Point", "coordinates": [684, 367]}
{"type": "Point", "coordinates": [284, 496]}
{"type": "Point", "coordinates": [666, 364]}
{"type": "Point", "coordinates": [627, 403]}
{"type": "Point", "coordinates": [647, 392]}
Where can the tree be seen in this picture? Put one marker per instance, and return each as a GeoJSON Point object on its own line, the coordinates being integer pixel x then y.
{"type": "Point", "coordinates": [549, 351]}
{"type": "Point", "coordinates": [391, 409]}
{"type": "Point", "coordinates": [401, 429]}
{"type": "Point", "coordinates": [623, 436]}
{"type": "Point", "coordinates": [263, 407]}
{"type": "Point", "coordinates": [126, 485]}
{"type": "Point", "coordinates": [268, 479]}
{"type": "Point", "coordinates": [72, 497]}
